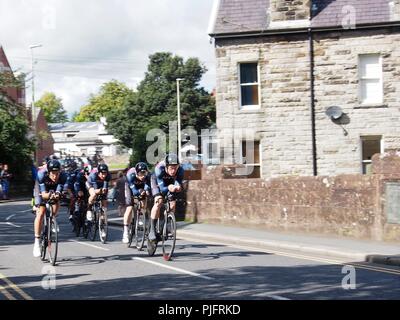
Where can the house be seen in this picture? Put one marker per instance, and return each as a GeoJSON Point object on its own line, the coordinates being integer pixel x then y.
{"type": "Point", "coordinates": [84, 139]}
{"type": "Point", "coordinates": [13, 94]}
{"type": "Point", "coordinates": [315, 85]}
{"type": "Point", "coordinates": [16, 95]}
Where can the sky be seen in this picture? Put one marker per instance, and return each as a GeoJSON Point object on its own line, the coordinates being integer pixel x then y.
{"type": "Point", "coordinates": [87, 43]}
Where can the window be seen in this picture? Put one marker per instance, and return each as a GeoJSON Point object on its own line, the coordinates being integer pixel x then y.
{"type": "Point", "coordinates": [370, 146]}
{"type": "Point", "coordinates": [250, 154]}
{"type": "Point", "coordinates": [370, 79]}
{"type": "Point", "coordinates": [248, 73]}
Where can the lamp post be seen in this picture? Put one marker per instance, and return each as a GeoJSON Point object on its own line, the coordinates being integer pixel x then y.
{"type": "Point", "coordinates": [179, 116]}
{"type": "Point", "coordinates": [33, 90]}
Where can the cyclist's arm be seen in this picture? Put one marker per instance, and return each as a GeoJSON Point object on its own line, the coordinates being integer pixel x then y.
{"type": "Point", "coordinates": [179, 178]}
{"type": "Point", "coordinates": [160, 181]}
{"type": "Point", "coordinates": [107, 181]}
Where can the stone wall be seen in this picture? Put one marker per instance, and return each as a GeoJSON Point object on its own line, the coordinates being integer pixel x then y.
{"type": "Point", "coordinates": [344, 205]}
{"type": "Point", "coordinates": [283, 122]}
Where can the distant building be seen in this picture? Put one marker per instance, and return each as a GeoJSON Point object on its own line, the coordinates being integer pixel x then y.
{"type": "Point", "coordinates": [84, 139]}
{"type": "Point", "coordinates": [16, 96]}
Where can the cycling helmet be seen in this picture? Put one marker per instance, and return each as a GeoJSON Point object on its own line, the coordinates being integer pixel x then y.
{"type": "Point", "coordinates": [171, 159]}
{"type": "Point", "coordinates": [102, 168]}
{"type": "Point", "coordinates": [53, 165]}
{"type": "Point", "coordinates": [140, 167]}
{"type": "Point", "coordinates": [87, 169]}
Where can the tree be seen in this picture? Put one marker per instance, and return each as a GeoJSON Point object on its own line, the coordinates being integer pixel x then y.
{"type": "Point", "coordinates": [15, 147]}
{"type": "Point", "coordinates": [52, 108]}
{"type": "Point", "coordinates": [111, 97]}
{"type": "Point", "coordinates": [155, 103]}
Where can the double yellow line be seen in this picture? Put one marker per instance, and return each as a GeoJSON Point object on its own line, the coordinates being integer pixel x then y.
{"type": "Point", "coordinates": [11, 288]}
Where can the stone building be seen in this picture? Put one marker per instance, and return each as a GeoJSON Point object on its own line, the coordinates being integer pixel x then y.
{"type": "Point", "coordinates": [317, 82]}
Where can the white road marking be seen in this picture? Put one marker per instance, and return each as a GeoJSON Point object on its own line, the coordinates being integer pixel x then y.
{"type": "Point", "coordinates": [90, 245]}
{"type": "Point", "coordinates": [9, 217]}
{"type": "Point", "coordinates": [11, 224]}
{"type": "Point", "coordinates": [23, 211]}
{"type": "Point", "coordinates": [173, 268]}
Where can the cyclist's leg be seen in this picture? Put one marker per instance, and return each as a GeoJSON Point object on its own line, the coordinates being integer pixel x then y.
{"type": "Point", "coordinates": [40, 214]}
{"type": "Point", "coordinates": [92, 196]}
{"type": "Point", "coordinates": [128, 213]}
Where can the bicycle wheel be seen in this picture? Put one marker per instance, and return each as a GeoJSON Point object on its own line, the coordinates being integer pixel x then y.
{"type": "Point", "coordinates": [43, 242]}
{"type": "Point", "coordinates": [92, 227]}
{"type": "Point", "coordinates": [53, 240]}
{"type": "Point", "coordinates": [131, 231]}
{"type": "Point", "coordinates": [169, 236]}
{"type": "Point", "coordinates": [103, 227]}
{"type": "Point", "coordinates": [140, 229]}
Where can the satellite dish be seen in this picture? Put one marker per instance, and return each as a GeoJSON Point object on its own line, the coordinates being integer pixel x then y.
{"type": "Point", "coordinates": [334, 112]}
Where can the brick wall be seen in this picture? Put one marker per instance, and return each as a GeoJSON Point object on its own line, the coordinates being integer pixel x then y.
{"type": "Point", "coordinates": [343, 205]}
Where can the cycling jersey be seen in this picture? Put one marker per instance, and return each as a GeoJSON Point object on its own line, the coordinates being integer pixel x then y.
{"type": "Point", "coordinates": [95, 182]}
{"type": "Point", "coordinates": [135, 184]}
{"type": "Point", "coordinates": [161, 179]}
{"type": "Point", "coordinates": [46, 184]}
{"type": "Point", "coordinates": [80, 182]}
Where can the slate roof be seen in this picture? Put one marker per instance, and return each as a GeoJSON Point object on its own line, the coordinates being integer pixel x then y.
{"type": "Point", "coordinates": [239, 16]}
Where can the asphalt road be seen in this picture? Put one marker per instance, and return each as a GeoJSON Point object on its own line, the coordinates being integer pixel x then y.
{"type": "Point", "coordinates": [199, 270]}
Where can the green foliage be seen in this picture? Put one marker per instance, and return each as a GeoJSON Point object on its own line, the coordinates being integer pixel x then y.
{"type": "Point", "coordinates": [52, 108]}
{"type": "Point", "coordinates": [110, 98]}
{"type": "Point", "coordinates": [15, 148]}
{"type": "Point", "coordinates": [155, 103]}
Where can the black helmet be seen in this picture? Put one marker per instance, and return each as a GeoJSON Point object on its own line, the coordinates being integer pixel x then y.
{"type": "Point", "coordinates": [102, 168]}
{"type": "Point", "coordinates": [141, 166]}
{"type": "Point", "coordinates": [53, 165]}
{"type": "Point", "coordinates": [87, 169]}
{"type": "Point", "coordinates": [171, 159]}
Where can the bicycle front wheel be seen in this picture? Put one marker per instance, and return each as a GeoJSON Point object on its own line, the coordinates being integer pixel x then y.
{"type": "Point", "coordinates": [92, 227]}
{"type": "Point", "coordinates": [140, 229]}
{"type": "Point", "coordinates": [53, 241]}
{"type": "Point", "coordinates": [169, 236]}
{"type": "Point", "coordinates": [103, 227]}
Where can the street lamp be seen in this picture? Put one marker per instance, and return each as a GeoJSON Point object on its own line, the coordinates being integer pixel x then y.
{"type": "Point", "coordinates": [33, 89]}
{"type": "Point", "coordinates": [179, 116]}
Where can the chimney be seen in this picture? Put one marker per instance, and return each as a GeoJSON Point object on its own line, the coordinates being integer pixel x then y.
{"type": "Point", "coordinates": [290, 13]}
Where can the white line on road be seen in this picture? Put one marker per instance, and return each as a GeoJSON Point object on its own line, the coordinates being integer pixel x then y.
{"type": "Point", "coordinates": [23, 211]}
{"type": "Point", "coordinates": [9, 217]}
{"type": "Point", "coordinates": [90, 245]}
{"type": "Point", "coordinates": [173, 268]}
{"type": "Point", "coordinates": [10, 224]}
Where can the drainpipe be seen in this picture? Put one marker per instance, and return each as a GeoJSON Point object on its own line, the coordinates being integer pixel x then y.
{"type": "Point", "coordinates": [312, 96]}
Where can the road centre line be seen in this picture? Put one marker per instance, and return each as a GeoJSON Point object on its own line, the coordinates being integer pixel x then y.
{"type": "Point", "coordinates": [9, 217]}
{"type": "Point", "coordinates": [299, 256]}
{"type": "Point", "coordinates": [13, 286]}
{"type": "Point", "coordinates": [174, 268]}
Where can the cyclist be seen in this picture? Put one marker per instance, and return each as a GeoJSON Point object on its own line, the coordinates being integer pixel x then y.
{"type": "Point", "coordinates": [52, 181]}
{"type": "Point", "coordinates": [80, 190]}
{"type": "Point", "coordinates": [97, 184]}
{"type": "Point", "coordinates": [166, 180]}
{"type": "Point", "coordinates": [70, 167]}
{"type": "Point", "coordinates": [137, 185]}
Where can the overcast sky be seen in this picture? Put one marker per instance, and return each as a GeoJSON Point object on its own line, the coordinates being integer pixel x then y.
{"type": "Point", "coordinates": [86, 43]}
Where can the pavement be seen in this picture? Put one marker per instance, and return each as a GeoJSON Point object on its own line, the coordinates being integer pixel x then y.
{"type": "Point", "coordinates": [346, 249]}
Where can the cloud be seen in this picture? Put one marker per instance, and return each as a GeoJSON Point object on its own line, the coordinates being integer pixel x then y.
{"type": "Point", "coordinates": [86, 43]}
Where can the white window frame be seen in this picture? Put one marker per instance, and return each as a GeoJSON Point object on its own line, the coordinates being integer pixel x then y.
{"type": "Point", "coordinates": [365, 138]}
{"type": "Point", "coordinates": [249, 107]}
{"type": "Point", "coordinates": [241, 159]}
{"type": "Point", "coordinates": [362, 79]}
{"type": "Point", "coordinates": [207, 144]}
